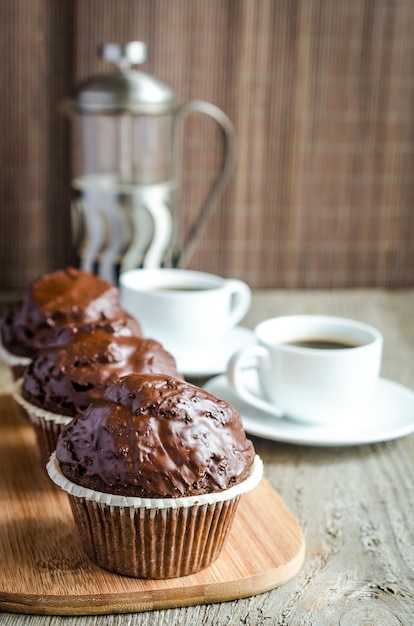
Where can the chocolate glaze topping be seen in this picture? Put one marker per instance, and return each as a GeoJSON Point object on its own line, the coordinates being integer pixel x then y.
{"type": "Point", "coordinates": [155, 436]}
{"type": "Point", "coordinates": [124, 325]}
{"type": "Point", "coordinates": [65, 377]}
{"type": "Point", "coordinates": [65, 297]}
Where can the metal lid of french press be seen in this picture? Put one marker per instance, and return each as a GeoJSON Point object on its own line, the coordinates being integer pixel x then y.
{"type": "Point", "coordinates": [126, 89]}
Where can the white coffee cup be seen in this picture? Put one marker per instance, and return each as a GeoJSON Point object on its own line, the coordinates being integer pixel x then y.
{"type": "Point", "coordinates": [322, 384]}
{"type": "Point", "coordinates": [184, 309]}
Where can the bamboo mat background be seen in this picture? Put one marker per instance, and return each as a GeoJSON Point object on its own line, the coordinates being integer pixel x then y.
{"type": "Point", "coordinates": [321, 93]}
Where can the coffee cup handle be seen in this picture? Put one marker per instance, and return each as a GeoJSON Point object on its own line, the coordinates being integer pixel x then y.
{"type": "Point", "coordinates": [241, 297]}
{"type": "Point", "coordinates": [247, 358]}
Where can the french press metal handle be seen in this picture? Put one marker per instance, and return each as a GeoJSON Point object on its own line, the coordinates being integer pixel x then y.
{"type": "Point", "coordinates": [182, 254]}
{"type": "Point", "coordinates": [134, 53]}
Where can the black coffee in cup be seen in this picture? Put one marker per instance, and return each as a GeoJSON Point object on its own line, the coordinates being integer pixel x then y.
{"type": "Point", "coordinates": [185, 288]}
{"type": "Point", "coordinates": [321, 344]}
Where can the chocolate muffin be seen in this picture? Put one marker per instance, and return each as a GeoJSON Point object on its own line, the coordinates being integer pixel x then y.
{"type": "Point", "coordinates": [76, 368]}
{"type": "Point", "coordinates": [62, 298]}
{"type": "Point", "coordinates": [154, 472]}
{"type": "Point", "coordinates": [163, 438]}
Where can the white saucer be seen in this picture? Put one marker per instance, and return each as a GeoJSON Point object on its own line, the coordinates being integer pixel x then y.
{"type": "Point", "coordinates": [212, 359]}
{"type": "Point", "coordinates": [390, 415]}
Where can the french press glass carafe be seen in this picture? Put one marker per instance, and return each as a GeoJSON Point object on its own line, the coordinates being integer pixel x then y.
{"type": "Point", "coordinates": [127, 137]}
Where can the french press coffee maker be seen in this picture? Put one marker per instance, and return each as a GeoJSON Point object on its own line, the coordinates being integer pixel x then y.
{"type": "Point", "coordinates": [127, 148]}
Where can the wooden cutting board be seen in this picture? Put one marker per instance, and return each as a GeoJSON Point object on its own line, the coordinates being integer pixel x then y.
{"type": "Point", "coordinates": [43, 569]}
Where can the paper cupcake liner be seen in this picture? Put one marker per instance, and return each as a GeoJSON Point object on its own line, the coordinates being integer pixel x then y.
{"type": "Point", "coordinates": [154, 503]}
{"type": "Point", "coordinates": [153, 538]}
{"type": "Point", "coordinates": [47, 416]}
{"type": "Point", "coordinates": [17, 364]}
{"type": "Point", "coordinates": [47, 425]}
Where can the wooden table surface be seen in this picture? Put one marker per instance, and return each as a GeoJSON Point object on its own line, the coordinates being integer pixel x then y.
{"type": "Point", "coordinates": [354, 504]}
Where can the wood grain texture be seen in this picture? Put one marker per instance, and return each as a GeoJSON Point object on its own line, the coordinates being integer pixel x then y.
{"type": "Point", "coordinates": [355, 505]}
{"type": "Point", "coordinates": [44, 570]}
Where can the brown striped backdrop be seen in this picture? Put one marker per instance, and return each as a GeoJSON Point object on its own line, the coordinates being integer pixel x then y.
{"type": "Point", "coordinates": [321, 93]}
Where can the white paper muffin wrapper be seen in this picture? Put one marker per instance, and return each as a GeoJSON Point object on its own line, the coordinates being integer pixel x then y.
{"type": "Point", "coordinates": [112, 500]}
{"type": "Point", "coordinates": [32, 409]}
{"type": "Point", "coordinates": [12, 359]}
